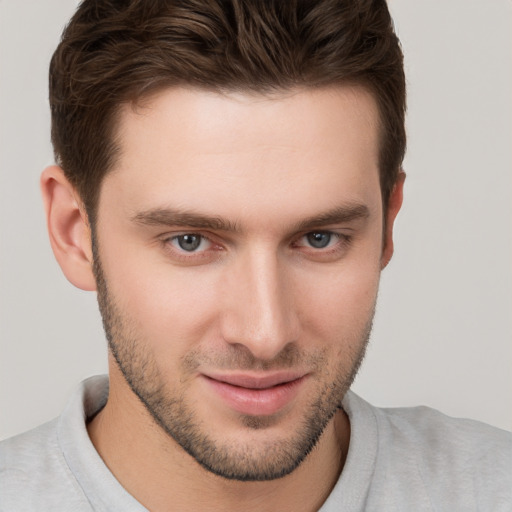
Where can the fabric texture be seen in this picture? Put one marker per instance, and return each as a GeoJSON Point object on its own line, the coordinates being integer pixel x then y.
{"type": "Point", "coordinates": [398, 460]}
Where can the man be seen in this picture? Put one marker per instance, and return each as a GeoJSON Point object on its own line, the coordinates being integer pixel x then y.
{"type": "Point", "coordinates": [228, 179]}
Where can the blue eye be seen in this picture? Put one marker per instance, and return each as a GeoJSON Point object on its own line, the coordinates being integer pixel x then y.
{"type": "Point", "coordinates": [189, 242]}
{"type": "Point", "coordinates": [319, 239]}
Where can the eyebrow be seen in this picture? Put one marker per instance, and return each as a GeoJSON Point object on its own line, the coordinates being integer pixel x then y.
{"type": "Point", "coordinates": [175, 217]}
{"type": "Point", "coordinates": [339, 215]}
{"type": "Point", "coordinates": [190, 219]}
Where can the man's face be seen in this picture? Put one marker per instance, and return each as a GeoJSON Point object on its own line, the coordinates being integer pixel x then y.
{"type": "Point", "coordinates": [239, 247]}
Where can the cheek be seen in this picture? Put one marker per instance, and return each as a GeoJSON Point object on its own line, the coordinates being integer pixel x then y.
{"type": "Point", "coordinates": [166, 307]}
{"type": "Point", "coordinates": [338, 306]}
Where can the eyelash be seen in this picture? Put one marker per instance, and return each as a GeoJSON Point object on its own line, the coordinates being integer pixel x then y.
{"type": "Point", "coordinates": [333, 252]}
{"type": "Point", "coordinates": [341, 244]}
{"type": "Point", "coordinates": [192, 256]}
{"type": "Point", "coordinates": [332, 235]}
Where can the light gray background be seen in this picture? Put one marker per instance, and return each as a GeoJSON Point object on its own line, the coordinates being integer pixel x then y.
{"type": "Point", "coordinates": [442, 335]}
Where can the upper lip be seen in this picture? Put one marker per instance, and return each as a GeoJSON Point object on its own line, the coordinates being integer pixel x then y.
{"type": "Point", "coordinates": [252, 381]}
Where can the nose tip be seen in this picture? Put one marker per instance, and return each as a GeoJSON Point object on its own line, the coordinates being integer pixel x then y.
{"type": "Point", "coordinates": [260, 315]}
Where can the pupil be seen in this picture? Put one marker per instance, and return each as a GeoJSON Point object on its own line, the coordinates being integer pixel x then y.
{"type": "Point", "coordinates": [319, 240]}
{"type": "Point", "coordinates": [189, 242]}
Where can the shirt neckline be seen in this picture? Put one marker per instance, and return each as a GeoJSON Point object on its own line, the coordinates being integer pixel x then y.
{"type": "Point", "coordinates": [105, 493]}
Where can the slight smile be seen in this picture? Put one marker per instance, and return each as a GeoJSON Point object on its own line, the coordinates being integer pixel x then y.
{"type": "Point", "coordinates": [256, 395]}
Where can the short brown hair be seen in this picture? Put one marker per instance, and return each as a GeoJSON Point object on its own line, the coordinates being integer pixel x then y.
{"type": "Point", "coordinates": [117, 51]}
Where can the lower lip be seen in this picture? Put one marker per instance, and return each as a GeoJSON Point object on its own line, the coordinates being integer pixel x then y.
{"type": "Point", "coordinates": [257, 402]}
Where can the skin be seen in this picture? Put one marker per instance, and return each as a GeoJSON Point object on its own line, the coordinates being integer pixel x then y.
{"type": "Point", "coordinates": [254, 298]}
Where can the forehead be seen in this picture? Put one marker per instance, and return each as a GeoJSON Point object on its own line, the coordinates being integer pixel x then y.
{"type": "Point", "coordinates": [235, 152]}
{"type": "Point", "coordinates": [241, 120]}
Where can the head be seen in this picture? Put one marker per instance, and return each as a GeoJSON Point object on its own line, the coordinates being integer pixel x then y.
{"type": "Point", "coordinates": [230, 177]}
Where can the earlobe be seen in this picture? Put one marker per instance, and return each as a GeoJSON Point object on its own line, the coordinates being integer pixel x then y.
{"type": "Point", "coordinates": [394, 205]}
{"type": "Point", "coordinates": [68, 228]}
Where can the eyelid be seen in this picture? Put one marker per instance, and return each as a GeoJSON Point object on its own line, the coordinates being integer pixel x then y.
{"type": "Point", "coordinates": [170, 235]}
{"type": "Point", "coordinates": [332, 252]}
{"type": "Point", "coordinates": [203, 239]}
{"type": "Point", "coordinates": [335, 234]}
{"type": "Point", "coordinates": [197, 257]}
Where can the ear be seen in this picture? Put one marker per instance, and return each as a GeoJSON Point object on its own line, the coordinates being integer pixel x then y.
{"type": "Point", "coordinates": [394, 204]}
{"type": "Point", "coordinates": [68, 228]}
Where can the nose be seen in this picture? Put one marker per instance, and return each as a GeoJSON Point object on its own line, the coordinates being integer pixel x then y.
{"type": "Point", "coordinates": [259, 307]}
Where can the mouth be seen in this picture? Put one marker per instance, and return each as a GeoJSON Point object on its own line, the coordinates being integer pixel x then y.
{"type": "Point", "coordinates": [256, 395]}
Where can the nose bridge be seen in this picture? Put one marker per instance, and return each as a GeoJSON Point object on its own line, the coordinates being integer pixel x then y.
{"type": "Point", "coordinates": [260, 315]}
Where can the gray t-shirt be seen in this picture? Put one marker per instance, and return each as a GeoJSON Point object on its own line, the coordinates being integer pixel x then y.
{"type": "Point", "coordinates": [413, 459]}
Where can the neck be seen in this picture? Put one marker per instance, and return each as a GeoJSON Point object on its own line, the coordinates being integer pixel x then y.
{"type": "Point", "coordinates": [154, 469]}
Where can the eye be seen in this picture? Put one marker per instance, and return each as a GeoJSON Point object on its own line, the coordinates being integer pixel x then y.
{"type": "Point", "coordinates": [323, 245]}
{"type": "Point", "coordinates": [190, 242]}
{"type": "Point", "coordinates": [320, 239]}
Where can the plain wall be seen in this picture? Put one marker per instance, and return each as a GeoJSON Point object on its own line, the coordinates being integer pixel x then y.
{"type": "Point", "coordinates": [443, 330]}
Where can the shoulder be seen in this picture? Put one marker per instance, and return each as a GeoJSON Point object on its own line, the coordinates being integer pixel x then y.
{"type": "Point", "coordinates": [441, 440]}
{"type": "Point", "coordinates": [451, 462]}
{"type": "Point", "coordinates": [34, 475]}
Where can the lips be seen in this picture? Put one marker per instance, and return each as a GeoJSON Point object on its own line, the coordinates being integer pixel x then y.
{"type": "Point", "coordinates": [256, 382]}
{"type": "Point", "coordinates": [257, 395]}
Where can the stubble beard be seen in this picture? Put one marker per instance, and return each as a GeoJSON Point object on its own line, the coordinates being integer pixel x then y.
{"type": "Point", "coordinates": [269, 460]}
